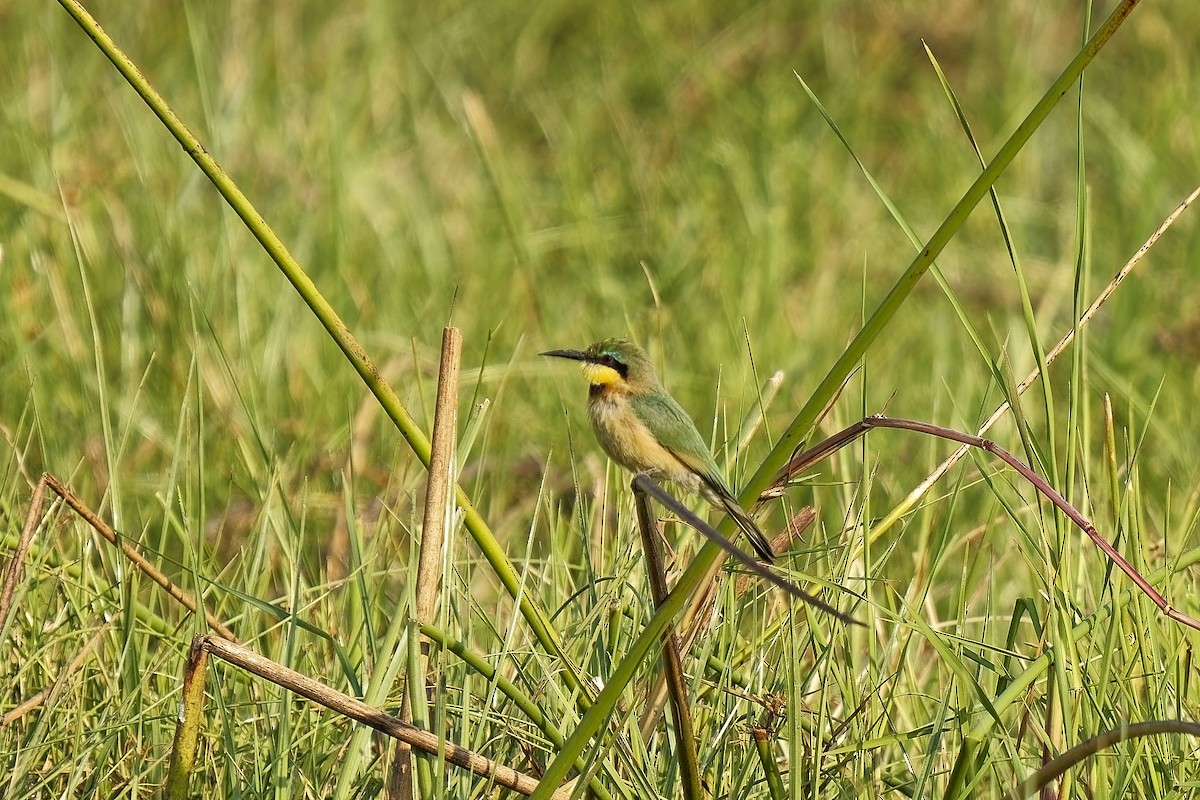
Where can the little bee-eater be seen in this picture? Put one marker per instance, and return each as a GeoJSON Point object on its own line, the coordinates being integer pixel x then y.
{"type": "Point", "coordinates": [643, 429]}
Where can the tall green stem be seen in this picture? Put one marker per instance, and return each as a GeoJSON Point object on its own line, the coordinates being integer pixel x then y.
{"type": "Point", "coordinates": [596, 717]}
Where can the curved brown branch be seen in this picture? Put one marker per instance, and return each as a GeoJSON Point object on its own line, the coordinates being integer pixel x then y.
{"type": "Point", "coordinates": [839, 440]}
{"type": "Point", "coordinates": [1054, 768]}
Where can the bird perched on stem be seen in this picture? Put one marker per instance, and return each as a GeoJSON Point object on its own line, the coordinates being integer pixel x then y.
{"type": "Point", "coordinates": [643, 429]}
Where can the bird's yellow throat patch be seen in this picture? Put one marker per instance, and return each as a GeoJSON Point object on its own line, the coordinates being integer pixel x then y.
{"type": "Point", "coordinates": [600, 375]}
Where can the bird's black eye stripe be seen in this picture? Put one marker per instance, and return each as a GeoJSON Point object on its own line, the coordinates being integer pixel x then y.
{"type": "Point", "coordinates": [612, 362]}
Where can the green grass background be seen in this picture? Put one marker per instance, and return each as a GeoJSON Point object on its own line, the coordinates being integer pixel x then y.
{"type": "Point", "coordinates": [542, 176]}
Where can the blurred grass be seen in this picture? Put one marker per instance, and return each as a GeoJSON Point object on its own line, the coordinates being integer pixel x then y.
{"type": "Point", "coordinates": [547, 176]}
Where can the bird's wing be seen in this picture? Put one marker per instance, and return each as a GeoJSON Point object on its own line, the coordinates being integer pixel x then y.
{"type": "Point", "coordinates": [660, 413]}
{"type": "Point", "coordinates": [676, 432]}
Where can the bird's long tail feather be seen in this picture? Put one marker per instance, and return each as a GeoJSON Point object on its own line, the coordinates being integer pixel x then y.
{"type": "Point", "coordinates": [754, 534]}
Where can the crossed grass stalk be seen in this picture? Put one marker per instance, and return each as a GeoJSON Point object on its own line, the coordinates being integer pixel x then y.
{"type": "Point", "coordinates": [781, 464]}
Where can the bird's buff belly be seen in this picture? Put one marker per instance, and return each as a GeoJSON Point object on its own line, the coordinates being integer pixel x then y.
{"type": "Point", "coordinates": [631, 444]}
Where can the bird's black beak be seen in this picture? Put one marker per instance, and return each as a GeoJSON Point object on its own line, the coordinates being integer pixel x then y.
{"type": "Point", "coordinates": [574, 355]}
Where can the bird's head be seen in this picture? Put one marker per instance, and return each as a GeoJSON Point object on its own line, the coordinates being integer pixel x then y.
{"type": "Point", "coordinates": [614, 363]}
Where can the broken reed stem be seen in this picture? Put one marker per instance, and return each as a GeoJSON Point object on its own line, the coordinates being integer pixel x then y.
{"type": "Point", "coordinates": [685, 734]}
{"type": "Point", "coordinates": [426, 741]}
{"type": "Point", "coordinates": [433, 528]}
{"type": "Point", "coordinates": [762, 745]}
{"type": "Point", "coordinates": [415, 704]}
{"type": "Point", "coordinates": [187, 726]}
{"type": "Point", "coordinates": [16, 565]}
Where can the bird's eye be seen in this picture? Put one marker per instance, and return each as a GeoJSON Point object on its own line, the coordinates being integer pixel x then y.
{"type": "Point", "coordinates": [611, 361]}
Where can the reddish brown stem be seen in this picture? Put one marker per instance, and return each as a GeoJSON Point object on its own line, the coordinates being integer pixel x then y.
{"type": "Point", "coordinates": [839, 440]}
{"type": "Point", "coordinates": [685, 733]}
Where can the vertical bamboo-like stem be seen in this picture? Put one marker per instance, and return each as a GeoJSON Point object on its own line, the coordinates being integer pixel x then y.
{"type": "Point", "coordinates": [414, 707]}
{"type": "Point", "coordinates": [433, 529]}
{"type": "Point", "coordinates": [187, 726]}
{"type": "Point", "coordinates": [689, 759]}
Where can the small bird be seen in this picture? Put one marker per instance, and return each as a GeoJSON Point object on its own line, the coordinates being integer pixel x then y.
{"type": "Point", "coordinates": [643, 429]}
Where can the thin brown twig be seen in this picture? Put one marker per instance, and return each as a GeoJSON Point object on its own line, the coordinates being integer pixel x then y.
{"type": "Point", "coordinates": [355, 709]}
{"type": "Point", "coordinates": [16, 564]}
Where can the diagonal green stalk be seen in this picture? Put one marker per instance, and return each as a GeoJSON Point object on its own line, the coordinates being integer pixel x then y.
{"type": "Point", "coordinates": [481, 666]}
{"type": "Point", "coordinates": [538, 619]}
{"type": "Point", "coordinates": [595, 717]}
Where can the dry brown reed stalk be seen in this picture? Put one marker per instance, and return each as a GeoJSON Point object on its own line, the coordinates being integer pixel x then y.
{"type": "Point", "coordinates": [188, 725]}
{"type": "Point", "coordinates": [676, 681]}
{"type": "Point", "coordinates": [429, 565]}
{"type": "Point", "coordinates": [16, 564]}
